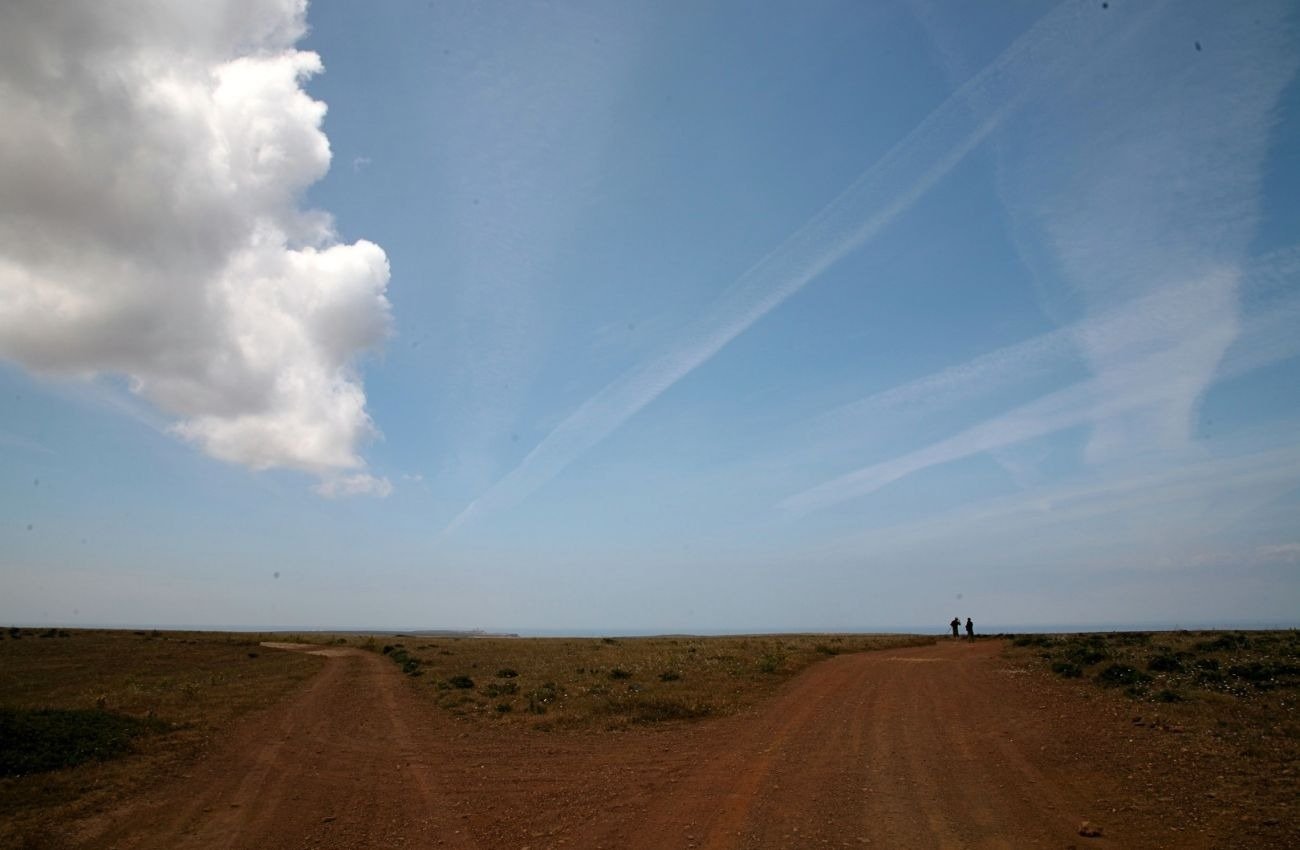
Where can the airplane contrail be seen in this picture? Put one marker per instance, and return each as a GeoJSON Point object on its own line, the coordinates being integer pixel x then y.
{"type": "Point", "coordinates": [1057, 44]}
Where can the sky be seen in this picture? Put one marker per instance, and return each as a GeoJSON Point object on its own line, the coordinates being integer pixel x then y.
{"type": "Point", "coordinates": [642, 318]}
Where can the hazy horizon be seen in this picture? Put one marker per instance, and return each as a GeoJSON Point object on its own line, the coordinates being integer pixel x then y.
{"type": "Point", "coordinates": [626, 632]}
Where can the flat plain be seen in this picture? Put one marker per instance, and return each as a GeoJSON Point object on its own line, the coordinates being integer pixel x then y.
{"type": "Point", "coordinates": [1113, 740]}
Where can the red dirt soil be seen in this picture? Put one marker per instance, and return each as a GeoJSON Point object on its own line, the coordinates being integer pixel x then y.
{"type": "Point", "coordinates": [943, 746]}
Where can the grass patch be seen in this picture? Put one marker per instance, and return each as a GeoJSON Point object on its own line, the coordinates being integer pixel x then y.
{"type": "Point", "coordinates": [41, 740]}
{"type": "Point", "coordinates": [1122, 674]}
{"type": "Point", "coordinates": [410, 665]}
{"type": "Point", "coordinates": [639, 709]}
{"type": "Point", "coordinates": [1179, 666]}
{"type": "Point", "coordinates": [1267, 674]}
{"type": "Point", "coordinates": [1233, 694]}
{"type": "Point", "coordinates": [72, 686]}
{"type": "Point", "coordinates": [500, 689]}
{"type": "Point", "coordinates": [1067, 669]}
{"type": "Point", "coordinates": [595, 683]}
{"type": "Point", "coordinates": [1165, 662]}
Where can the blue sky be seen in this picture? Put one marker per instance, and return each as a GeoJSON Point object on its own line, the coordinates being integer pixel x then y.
{"type": "Point", "coordinates": [649, 318]}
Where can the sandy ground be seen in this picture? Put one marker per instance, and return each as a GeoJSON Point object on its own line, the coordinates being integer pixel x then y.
{"type": "Point", "coordinates": [934, 747]}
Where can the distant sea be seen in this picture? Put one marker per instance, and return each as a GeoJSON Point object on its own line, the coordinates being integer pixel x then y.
{"type": "Point", "coordinates": [934, 628]}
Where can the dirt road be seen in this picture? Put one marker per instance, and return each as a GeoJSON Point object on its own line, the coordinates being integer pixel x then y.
{"type": "Point", "coordinates": [942, 746]}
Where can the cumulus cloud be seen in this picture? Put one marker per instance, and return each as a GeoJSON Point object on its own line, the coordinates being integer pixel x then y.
{"type": "Point", "coordinates": [152, 160]}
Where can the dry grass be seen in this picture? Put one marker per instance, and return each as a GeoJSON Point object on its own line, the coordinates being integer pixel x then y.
{"type": "Point", "coordinates": [1225, 702]}
{"type": "Point", "coordinates": [610, 683]}
{"type": "Point", "coordinates": [1174, 667]}
{"type": "Point", "coordinates": [189, 685]}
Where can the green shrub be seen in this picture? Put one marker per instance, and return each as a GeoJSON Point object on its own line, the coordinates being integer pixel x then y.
{"type": "Point", "coordinates": [1165, 662]}
{"type": "Point", "coordinates": [1264, 674]}
{"type": "Point", "coordinates": [507, 673]}
{"type": "Point", "coordinates": [1067, 669]}
{"type": "Point", "coordinates": [540, 698]}
{"type": "Point", "coordinates": [1086, 656]}
{"type": "Point", "coordinates": [464, 682]}
{"type": "Point", "coordinates": [1229, 642]}
{"type": "Point", "coordinates": [1122, 674]}
{"type": "Point", "coordinates": [36, 741]}
{"type": "Point", "coordinates": [658, 710]}
{"type": "Point", "coordinates": [669, 676]}
{"type": "Point", "coordinates": [618, 673]}
{"type": "Point", "coordinates": [497, 689]}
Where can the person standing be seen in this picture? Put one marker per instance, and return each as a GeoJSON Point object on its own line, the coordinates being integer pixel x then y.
{"type": "Point", "coordinates": [970, 629]}
{"type": "Point", "coordinates": [956, 624]}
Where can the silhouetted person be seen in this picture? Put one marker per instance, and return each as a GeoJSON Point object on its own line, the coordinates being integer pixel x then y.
{"type": "Point", "coordinates": [956, 624]}
{"type": "Point", "coordinates": [970, 628]}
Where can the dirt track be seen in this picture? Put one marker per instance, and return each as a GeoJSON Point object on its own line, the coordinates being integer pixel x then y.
{"type": "Point", "coordinates": [940, 746]}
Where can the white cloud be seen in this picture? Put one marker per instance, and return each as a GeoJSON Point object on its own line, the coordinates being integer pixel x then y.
{"type": "Point", "coordinates": [152, 161]}
{"type": "Point", "coordinates": [359, 484]}
{"type": "Point", "coordinates": [1283, 552]}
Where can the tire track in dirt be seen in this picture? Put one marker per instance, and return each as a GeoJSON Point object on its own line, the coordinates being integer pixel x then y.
{"type": "Point", "coordinates": [346, 762]}
{"type": "Point", "coordinates": [913, 748]}
{"type": "Point", "coordinates": [933, 747]}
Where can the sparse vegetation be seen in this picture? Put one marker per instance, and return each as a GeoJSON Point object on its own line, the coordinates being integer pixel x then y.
{"type": "Point", "coordinates": [1227, 699]}
{"type": "Point", "coordinates": [106, 712]}
{"type": "Point", "coordinates": [575, 683]}
{"type": "Point", "coordinates": [499, 689]}
{"type": "Point", "coordinates": [1165, 662]}
{"type": "Point", "coordinates": [41, 740]}
{"type": "Point", "coordinates": [1180, 666]}
{"type": "Point", "coordinates": [1068, 669]}
{"type": "Point", "coordinates": [410, 665]}
{"type": "Point", "coordinates": [1122, 674]}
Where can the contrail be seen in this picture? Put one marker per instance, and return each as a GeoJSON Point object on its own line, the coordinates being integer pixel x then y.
{"type": "Point", "coordinates": [1267, 338]}
{"type": "Point", "coordinates": [1059, 43]}
{"type": "Point", "coordinates": [1271, 275]}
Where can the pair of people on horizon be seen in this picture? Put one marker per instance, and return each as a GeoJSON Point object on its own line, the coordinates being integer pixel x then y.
{"type": "Point", "coordinates": [970, 627]}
